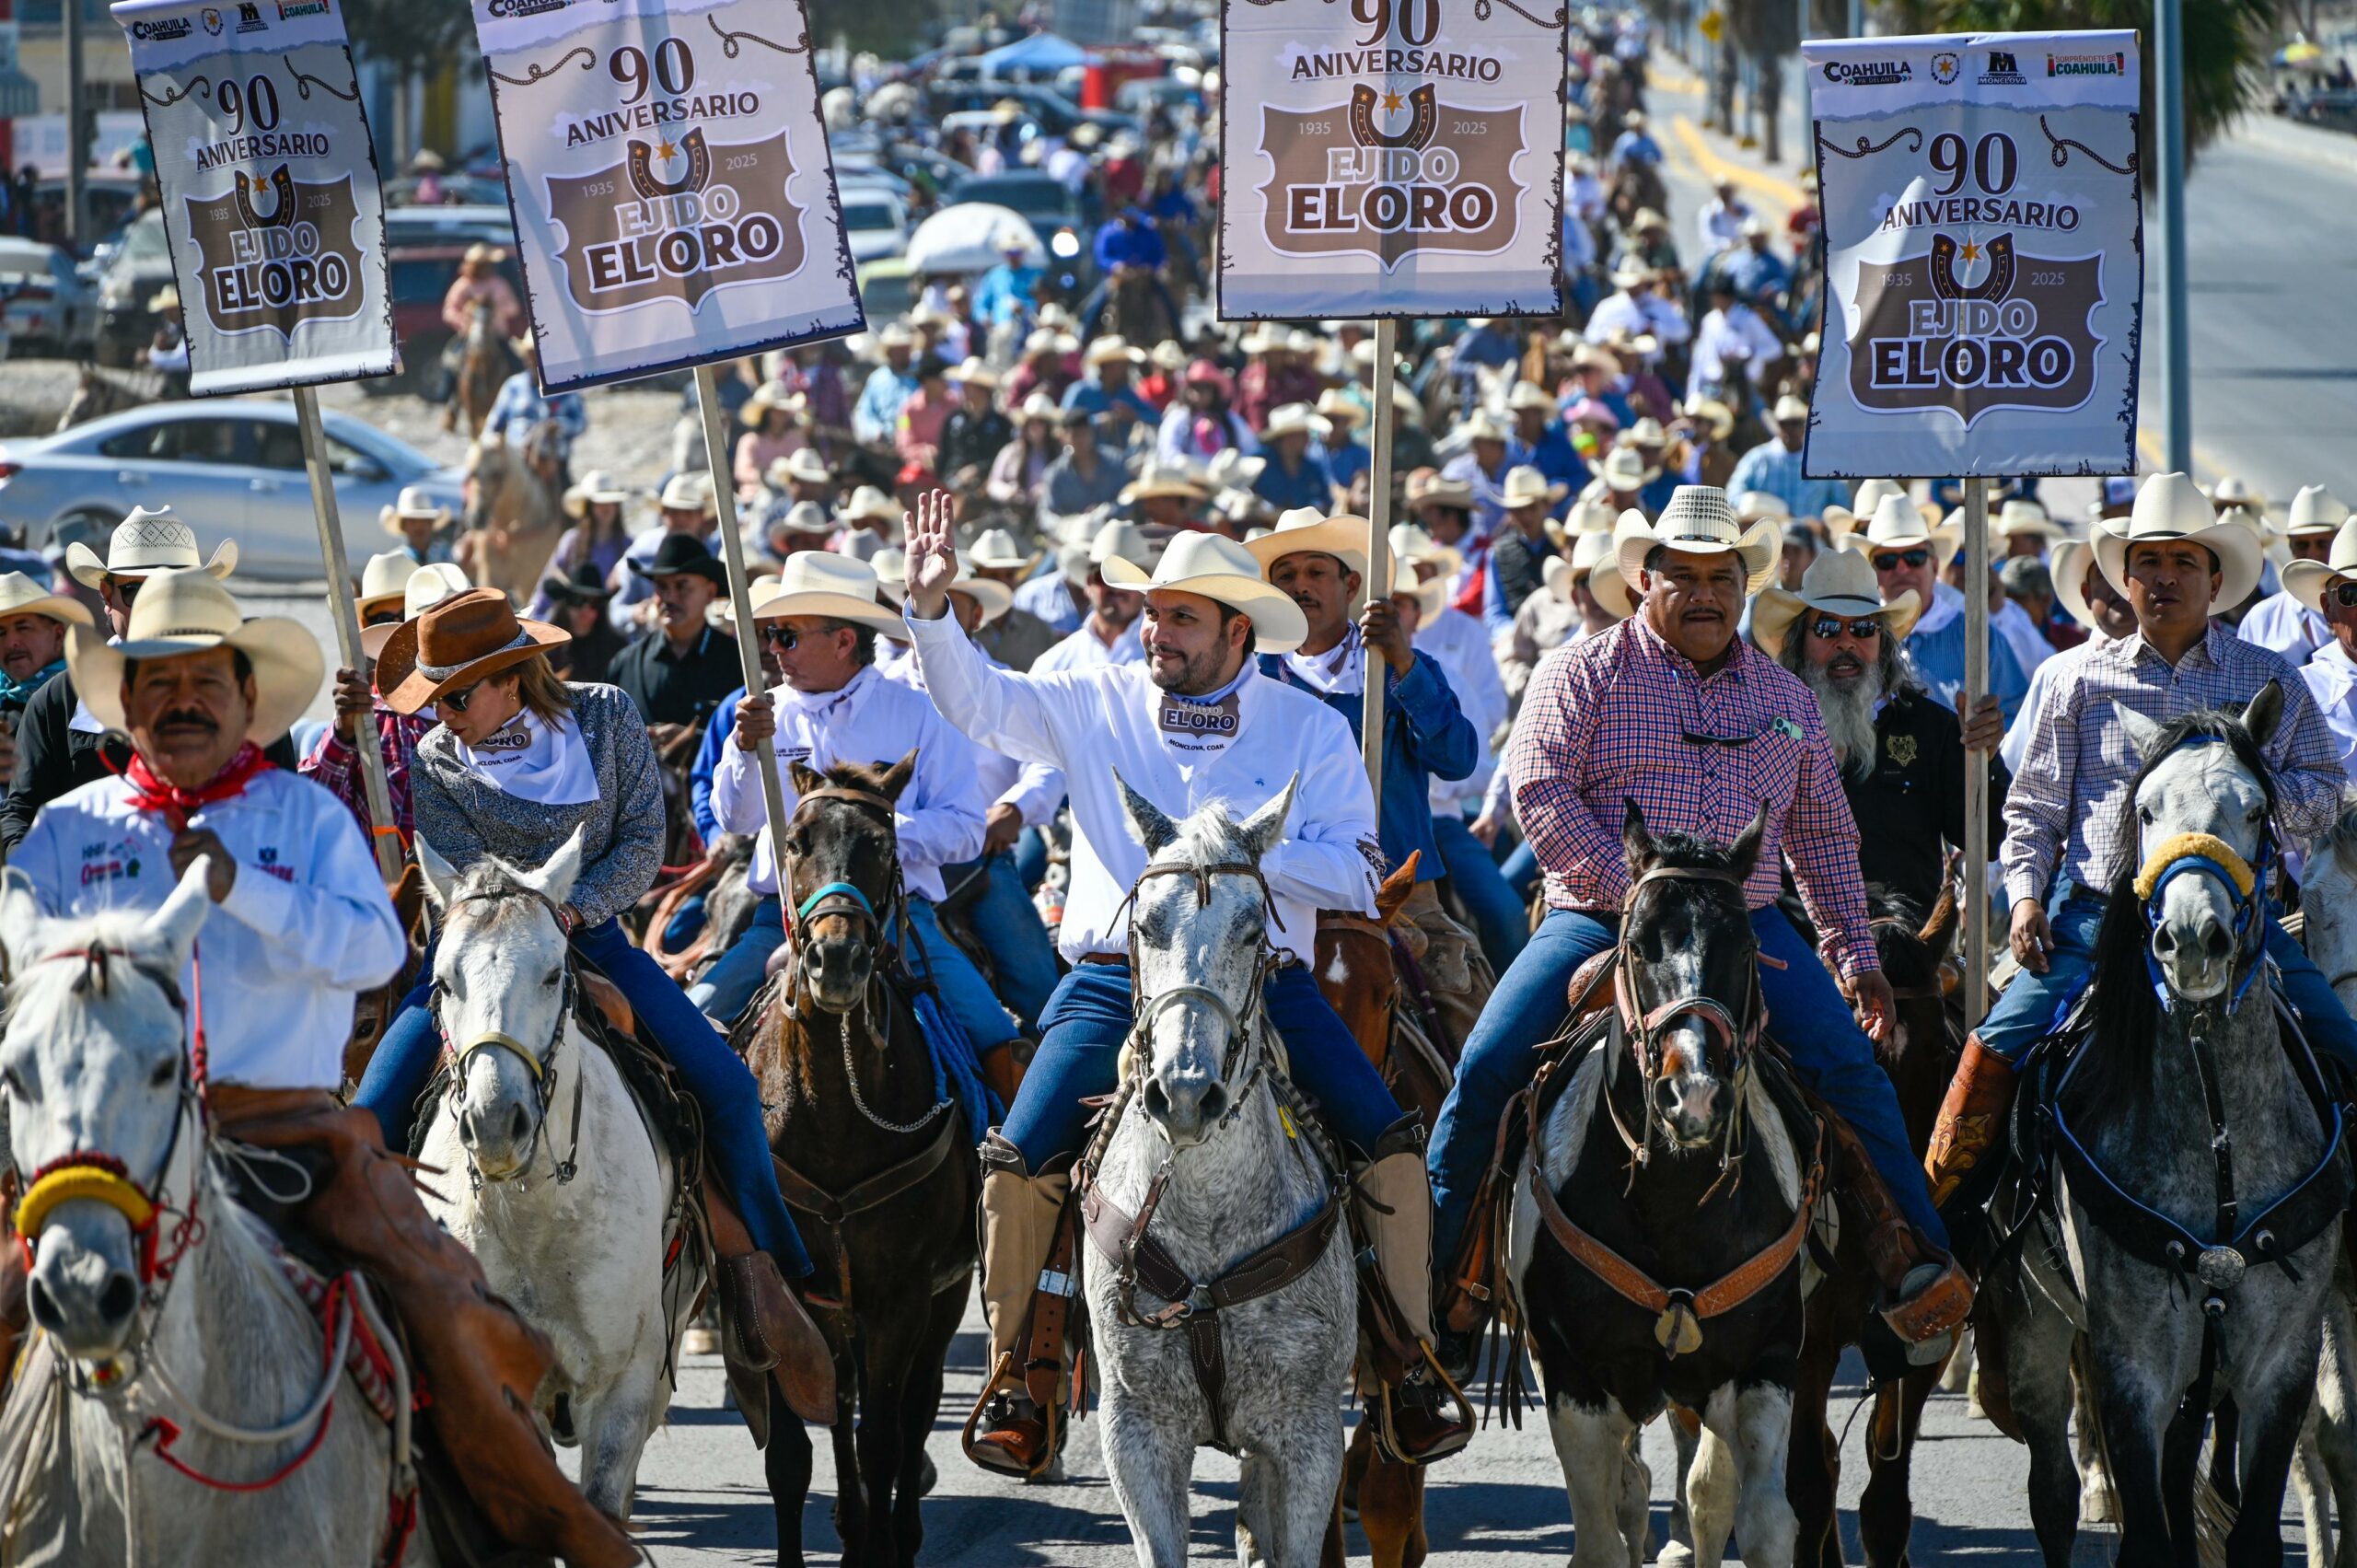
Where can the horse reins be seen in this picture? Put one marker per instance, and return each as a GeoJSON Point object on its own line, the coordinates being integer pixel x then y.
{"type": "Point", "coordinates": [541, 1064]}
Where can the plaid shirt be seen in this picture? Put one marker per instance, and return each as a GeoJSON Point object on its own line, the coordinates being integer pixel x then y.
{"type": "Point", "coordinates": [2068, 797]}
{"type": "Point", "coordinates": [1608, 719]}
{"type": "Point", "coordinates": [337, 766]}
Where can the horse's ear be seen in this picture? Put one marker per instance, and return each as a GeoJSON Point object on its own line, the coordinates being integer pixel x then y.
{"type": "Point", "coordinates": [441, 877]}
{"type": "Point", "coordinates": [1634, 841]}
{"type": "Point", "coordinates": [895, 777]}
{"type": "Point", "coordinates": [1939, 930]}
{"type": "Point", "coordinates": [1392, 896]}
{"type": "Point", "coordinates": [2142, 732]}
{"type": "Point", "coordinates": [803, 779]}
{"type": "Point", "coordinates": [2264, 712]}
{"type": "Point", "coordinates": [1147, 824]}
{"type": "Point", "coordinates": [20, 917]}
{"type": "Point", "coordinates": [555, 879]}
{"type": "Point", "coordinates": [1261, 831]}
{"type": "Point", "coordinates": [175, 925]}
{"type": "Point", "coordinates": [1745, 853]}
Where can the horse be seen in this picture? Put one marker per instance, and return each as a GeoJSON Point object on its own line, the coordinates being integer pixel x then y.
{"type": "Point", "coordinates": [2181, 1117]}
{"type": "Point", "coordinates": [172, 1330]}
{"type": "Point", "coordinates": [1920, 1059]}
{"type": "Point", "coordinates": [99, 392]}
{"type": "Point", "coordinates": [1660, 1267]}
{"type": "Point", "coordinates": [514, 510]}
{"type": "Point", "coordinates": [1225, 1311]}
{"type": "Point", "coordinates": [878, 1169]}
{"type": "Point", "coordinates": [566, 1198]}
{"type": "Point", "coordinates": [482, 363]}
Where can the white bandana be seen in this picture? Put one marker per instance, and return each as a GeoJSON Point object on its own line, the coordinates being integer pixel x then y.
{"type": "Point", "coordinates": [534, 761]}
{"type": "Point", "coordinates": [1946, 604]}
{"type": "Point", "coordinates": [1340, 671]}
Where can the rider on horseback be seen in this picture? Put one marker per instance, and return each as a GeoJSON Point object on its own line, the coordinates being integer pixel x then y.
{"type": "Point", "coordinates": [1198, 723]}
{"type": "Point", "coordinates": [1672, 711]}
{"type": "Point", "coordinates": [300, 923]}
{"type": "Point", "coordinates": [2174, 562]}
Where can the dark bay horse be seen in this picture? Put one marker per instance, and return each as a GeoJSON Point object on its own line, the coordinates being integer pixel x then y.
{"type": "Point", "coordinates": [878, 1169]}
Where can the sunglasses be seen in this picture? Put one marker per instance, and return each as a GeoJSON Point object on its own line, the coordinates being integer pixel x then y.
{"type": "Point", "coordinates": [1827, 627]}
{"type": "Point", "coordinates": [785, 639]}
{"type": "Point", "coordinates": [457, 701]}
{"type": "Point", "coordinates": [2345, 595]}
{"type": "Point", "coordinates": [1693, 739]}
{"type": "Point", "coordinates": [1914, 560]}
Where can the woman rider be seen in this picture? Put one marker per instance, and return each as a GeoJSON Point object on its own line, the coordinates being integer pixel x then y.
{"type": "Point", "coordinates": [518, 761]}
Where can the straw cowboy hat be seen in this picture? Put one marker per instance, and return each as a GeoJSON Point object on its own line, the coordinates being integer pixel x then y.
{"type": "Point", "coordinates": [1713, 415]}
{"type": "Point", "coordinates": [974, 373]}
{"type": "Point", "coordinates": [2067, 566]}
{"type": "Point", "coordinates": [2021, 516]}
{"type": "Point", "coordinates": [1483, 425]}
{"type": "Point", "coordinates": [412, 503]}
{"type": "Point", "coordinates": [1118, 539]}
{"type": "Point", "coordinates": [1429, 594]}
{"type": "Point", "coordinates": [382, 581]}
{"type": "Point", "coordinates": [1038, 405]}
{"type": "Point", "coordinates": [145, 542]}
{"type": "Point", "coordinates": [427, 587]}
{"type": "Point", "coordinates": [466, 638]}
{"type": "Point", "coordinates": [1222, 570]}
{"type": "Point", "coordinates": [688, 492]}
{"type": "Point", "coordinates": [1596, 554]}
{"type": "Point", "coordinates": [1292, 419]}
{"type": "Point", "coordinates": [994, 550]}
{"type": "Point", "coordinates": [805, 466]}
{"type": "Point", "coordinates": [19, 594]}
{"type": "Point", "coordinates": [833, 588]}
{"type": "Point", "coordinates": [1438, 490]}
{"type": "Point", "coordinates": [1306, 530]}
{"type": "Point", "coordinates": [1411, 543]}
{"type": "Point", "coordinates": [2315, 510]}
{"type": "Point", "coordinates": [1624, 472]}
{"type": "Point", "coordinates": [1838, 582]}
{"type": "Point", "coordinates": [1336, 407]}
{"type": "Point", "coordinates": [1528, 395]}
{"type": "Point", "coordinates": [1698, 521]}
{"type": "Point", "coordinates": [2169, 507]}
{"type": "Point", "coordinates": [805, 517]}
{"type": "Point", "coordinates": [868, 502]}
{"type": "Point", "coordinates": [1753, 504]}
{"type": "Point", "coordinates": [1789, 410]}
{"type": "Point", "coordinates": [1110, 349]}
{"type": "Point", "coordinates": [767, 397]}
{"type": "Point", "coordinates": [597, 487]}
{"type": "Point", "coordinates": [2304, 580]}
{"type": "Point", "coordinates": [187, 611]}
{"type": "Point", "coordinates": [723, 612]}
{"type": "Point", "coordinates": [1047, 340]}
{"type": "Point", "coordinates": [1899, 524]}
{"type": "Point", "coordinates": [1159, 479]}
{"type": "Point", "coordinates": [1525, 487]}
{"type": "Point", "coordinates": [490, 255]}
{"type": "Point", "coordinates": [165, 299]}
{"type": "Point", "coordinates": [1168, 355]}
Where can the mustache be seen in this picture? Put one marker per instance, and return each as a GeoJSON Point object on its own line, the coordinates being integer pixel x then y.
{"type": "Point", "coordinates": [188, 718]}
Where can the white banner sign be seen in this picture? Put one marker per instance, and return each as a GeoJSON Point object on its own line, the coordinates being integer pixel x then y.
{"type": "Point", "coordinates": [271, 205]}
{"type": "Point", "coordinates": [1984, 255]}
{"type": "Point", "coordinates": [674, 199]}
{"type": "Point", "coordinates": [1390, 157]}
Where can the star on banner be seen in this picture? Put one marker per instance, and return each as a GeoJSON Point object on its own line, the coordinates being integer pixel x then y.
{"type": "Point", "coordinates": [1391, 102]}
{"type": "Point", "coordinates": [666, 151]}
{"type": "Point", "coordinates": [1972, 250]}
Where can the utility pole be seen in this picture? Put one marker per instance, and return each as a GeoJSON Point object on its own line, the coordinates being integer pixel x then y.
{"type": "Point", "coordinates": [77, 129]}
{"type": "Point", "coordinates": [2176, 350]}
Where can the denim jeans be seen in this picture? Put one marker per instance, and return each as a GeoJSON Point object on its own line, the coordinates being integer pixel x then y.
{"type": "Point", "coordinates": [728, 985]}
{"type": "Point", "coordinates": [2031, 1004]}
{"type": "Point", "coordinates": [1520, 868]}
{"type": "Point", "coordinates": [963, 989]}
{"type": "Point", "coordinates": [731, 1101]}
{"type": "Point", "coordinates": [1003, 917]}
{"type": "Point", "coordinates": [1499, 918]}
{"type": "Point", "coordinates": [1031, 858]}
{"type": "Point", "coordinates": [1808, 1017]}
{"type": "Point", "coordinates": [1080, 1047]}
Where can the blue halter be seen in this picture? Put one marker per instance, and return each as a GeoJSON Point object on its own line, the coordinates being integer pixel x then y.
{"type": "Point", "coordinates": [2249, 909]}
{"type": "Point", "coordinates": [833, 890]}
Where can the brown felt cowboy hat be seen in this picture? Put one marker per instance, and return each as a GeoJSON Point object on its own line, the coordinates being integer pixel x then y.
{"type": "Point", "coordinates": [464, 639]}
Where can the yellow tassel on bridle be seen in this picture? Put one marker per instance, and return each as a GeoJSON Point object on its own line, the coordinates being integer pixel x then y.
{"type": "Point", "coordinates": [72, 1183]}
{"type": "Point", "coordinates": [2194, 847]}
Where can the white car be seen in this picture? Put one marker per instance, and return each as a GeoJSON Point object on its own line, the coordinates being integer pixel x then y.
{"type": "Point", "coordinates": [44, 303]}
{"type": "Point", "coordinates": [232, 468]}
{"type": "Point", "coordinates": [876, 221]}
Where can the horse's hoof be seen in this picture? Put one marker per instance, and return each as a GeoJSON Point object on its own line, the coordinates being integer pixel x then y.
{"type": "Point", "coordinates": [1676, 1554]}
{"type": "Point", "coordinates": [2096, 1501]}
{"type": "Point", "coordinates": [927, 1476]}
{"type": "Point", "coordinates": [1973, 1398]}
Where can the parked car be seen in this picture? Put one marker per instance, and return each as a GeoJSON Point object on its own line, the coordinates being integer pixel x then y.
{"type": "Point", "coordinates": [141, 265]}
{"type": "Point", "coordinates": [47, 306]}
{"type": "Point", "coordinates": [887, 291]}
{"type": "Point", "coordinates": [1055, 113]}
{"type": "Point", "coordinates": [876, 221]}
{"type": "Point", "coordinates": [234, 466]}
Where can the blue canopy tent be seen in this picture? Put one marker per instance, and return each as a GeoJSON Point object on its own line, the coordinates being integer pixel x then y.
{"type": "Point", "coordinates": [1041, 54]}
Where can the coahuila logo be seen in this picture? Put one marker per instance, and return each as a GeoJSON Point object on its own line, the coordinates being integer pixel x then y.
{"type": "Point", "coordinates": [506, 8]}
{"type": "Point", "coordinates": [160, 32]}
{"type": "Point", "coordinates": [2087, 64]}
{"type": "Point", "coordinates": [1869, 73]}
{"type": "Point", "coordinates": [1944, 67]}
{"type": "Point", "coordinates": [2003, 70]}
{"type": "Point", "coordinates": [290, 9]}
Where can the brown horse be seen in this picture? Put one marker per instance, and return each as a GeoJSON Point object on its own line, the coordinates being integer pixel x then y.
{"type": "Point", "coordinates": [1921, 1056]}
{"type": "Point", "coordinates": [514, 510]}
{"type": "Point", "coordinates": [482, 363]}
{"type": "Point", "coordinates": [880, 1174]}
{"type": "Point", "coordinates": [1359, 975]}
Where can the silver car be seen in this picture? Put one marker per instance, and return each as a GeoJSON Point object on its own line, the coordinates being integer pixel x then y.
{"type": "Point", "coordinates": [232, 469]}
{"type": "Point", "coordinates": [46, 305]}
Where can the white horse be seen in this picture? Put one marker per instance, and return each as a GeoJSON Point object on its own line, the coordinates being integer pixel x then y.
{"type": "Point", "coordinates": [1200, 1121]}
{"type": "Point", "coordinates": [564, 1196]}
{"type": "Point", "coordinates": [178, 1342]}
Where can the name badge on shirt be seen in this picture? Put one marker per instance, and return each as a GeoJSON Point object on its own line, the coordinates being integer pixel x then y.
{"type": "Point", "coordinates": [1200, 727]}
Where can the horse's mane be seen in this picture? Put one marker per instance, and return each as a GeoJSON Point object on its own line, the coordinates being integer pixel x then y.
{"type": "Point", "coordinates": [1690, 852]}
{"type": "Point", "coordinates": [2126, 1024]}
{"type": "Point", "coordinates": [1207, 836]}
{"type": "Point", "coordinates": [1898, 922]}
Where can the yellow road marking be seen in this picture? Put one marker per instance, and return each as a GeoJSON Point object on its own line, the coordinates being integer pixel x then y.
{"type": "Point", "coordinates": [1715, 168]}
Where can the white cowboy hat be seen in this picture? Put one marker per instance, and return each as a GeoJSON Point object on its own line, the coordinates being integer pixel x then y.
{"type": "Point", "coordinates": [1109, 349]}
{"type": "Point", "coordinates": [1047, 340]}
{"type": "Point", "coordinates": [1038, 405]}
{"type": "Point", "coordinates": [1753, 504]}
{"type": "Point", "coordinates": [1789, 410]}
{"type": "Point", "coordinates": [165, 299]}
{"type": "Point", "coordinates": [1838, 582]}
{"type": "Point", "coordinates": [996, 599]}
{"type": "Point", "coordinates": [382, 581]}
{"type": "Point", "coordinates": [2232, 490]}
{"type": "Point", "coordinates": [146, 541]}
{"type": "Point", "coordinates": [1118, 539]}
{"type": "Point", "coordinates": [1623, 472]}
{"type": "Point", "coordinates": [1224, 570]}
{"type": "Point", "coordinates": [688, 492]}
{"type": "Point", "coordinates": [2306, 580]}
{"type": "Point", "coordinates": [894, 335]}
{"type": "Point", "coordinates": [1307, 530]}
{"type": "Point", "coordinates": [1159, 479]}
{"type": "Point", "coordinates": [1596, 554]}
{"type": "Point", "coordinates": [428, 586]}
{"type": "Point", "coordinates": [1336, 407]}
{"type": "Point", "coordinates": [835, 588]}
{"type": "Point", "coordinates": [974, 373]}
{"type": "Point", "coordinates": [2169, 507]}
{"type": "Point", "coordinates": [1525, 487]}
{"type": "Point", "coordinates": [994, 550]}
{"type": "Point", "coordinates": [723, 612]}
{"type": "Point", "coordinates": [19, 594]}
{"type": "Point", "coordinates": [869, 502]}
{"type": "Point", "coordinates": [806, 517]}
{"type": "Point", "coordinates": [1698, 521]}
{"type": "Point", "coordinates": [2315, 510]}
{"type": "Point", "coordinates": [1899, 524]}
{"type": "Point", "coordinates": [1629, 273]}
{"type": "Point", "coordinates": [1232, 468]}
{"type": "Point", "coordinates": [1439, 490]}
{"type": "Point", "coordinates": [597, 487]}
{"type": "Point", "coordinates": [411, 503]}
{"type": "Point", "coordinates": [1591, 517]}
{"type": "Point", "coordinates": [187, 611]}
{"type": "Point", "coordinates": [1292, 419]}
{"type": "Point", "coordinates": [1483, 425]}
{"type": "Point", "coordinates": [805, 465]}
{"type": "Point", "coordinates": [765, 398]}
{"type": "Point", "coordinates": [1530, 395]}
{"type": "Point", "coordinates": [1646, 432]}
{"type": "Point", "coordinates": [2023, 515]}
{"type": "Point", "coordinates": [1168, 354]}
{"type": "Point", "coordinates": [1431, 594]}
{"type": "Point", "coordinates": [1411, 543]}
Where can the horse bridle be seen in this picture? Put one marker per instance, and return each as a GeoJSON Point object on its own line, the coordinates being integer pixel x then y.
{"type": "Point", "coordinates": [540, 1063]}
{"type": "Point", "coordinates": [1738, 1036]}
{"type": "Point", "coordinates": [836, 898]}
{"type": "Point", "coordinates": [2244, 882]}
{"type": "Point", "coordinates": [1235, 1029]}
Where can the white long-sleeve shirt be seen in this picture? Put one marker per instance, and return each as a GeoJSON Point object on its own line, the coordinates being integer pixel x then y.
{"type": "Point", "coordinates": [1090, 724]}
{"type": "Point", "coordinates": [1735, 333]}
{"type": "Point", "coordinates": [871, 719]}
{"type": "Point", "coordinates": [306, 926]}
{"type": "Point", "coordinates": [1085, 650]}
{"type": "Point", "coordinates": [1033, 790]}
{"type": "Point", "coordinates": [2283, 624]}
{"type": "Point", "coordinates": [1461, 648]}
{"type": "Point", "coordinates": [2332, 682]}
{"type": "Point", "coordinates": [1637, 315]}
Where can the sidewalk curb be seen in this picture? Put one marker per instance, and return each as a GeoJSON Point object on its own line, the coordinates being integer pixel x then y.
{"type": "Point", "coordinates": [2308, 144]}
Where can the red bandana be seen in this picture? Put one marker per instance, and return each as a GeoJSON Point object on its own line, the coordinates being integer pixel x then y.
{"type": "Point", "coordinates": [149, 793]}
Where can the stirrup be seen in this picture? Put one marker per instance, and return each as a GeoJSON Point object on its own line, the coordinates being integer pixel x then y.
{"type": "Point", "coordinates": [1444, 1391]}
{"type": "Point", "coordinates": [1005, 1384]}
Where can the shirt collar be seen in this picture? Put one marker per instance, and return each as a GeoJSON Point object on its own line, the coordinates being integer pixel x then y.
{"type": "Point", "coordinates": [1682, 666]}
{"type": "Point", "coordinates": [2207, 650]}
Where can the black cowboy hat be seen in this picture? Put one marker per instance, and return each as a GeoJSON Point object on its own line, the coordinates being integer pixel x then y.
{"type": "Point", "coordinates": [584, 584]}
{"type": "Point", "coordinates": [681, 553]}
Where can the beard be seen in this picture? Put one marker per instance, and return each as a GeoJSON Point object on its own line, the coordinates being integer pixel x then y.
{"type": "Point", "coordinates": [1849, 710]}
{"type": "Point", "coordinates": [1192, 676]}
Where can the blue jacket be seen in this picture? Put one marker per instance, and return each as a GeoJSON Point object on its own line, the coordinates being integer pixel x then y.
{"type": "Point", "coordinates": [1425, 736]}
{"type": "Point", "coordinates": [1939, 660]}
{"type": "Point", "coordinates": [716, 735]}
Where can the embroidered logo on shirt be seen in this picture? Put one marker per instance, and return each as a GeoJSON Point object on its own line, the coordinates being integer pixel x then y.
{"type": "Point", "coordinates": [1214, 722]}
{"type": "Point", "coordinates": [1901, 748]}
{"type": "Point", "coordinates": [104, 862]}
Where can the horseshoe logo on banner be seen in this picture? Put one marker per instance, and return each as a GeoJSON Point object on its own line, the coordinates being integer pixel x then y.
{"type": "Point", "coordinates": [1997, 284]}
{"type": "Point", "coordinates": [282, 184]}
{"type": "Point", "coordinates": [644, 179]}
{"type": "Point", "coordinates": [1423, 122]}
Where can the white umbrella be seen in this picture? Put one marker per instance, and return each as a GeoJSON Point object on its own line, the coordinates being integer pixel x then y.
{"type": "Point", "coordinates": [972, 237]}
